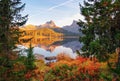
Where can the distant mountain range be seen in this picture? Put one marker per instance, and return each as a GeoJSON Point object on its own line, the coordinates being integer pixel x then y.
{"type": "Point", "coordinates": [74, 28]}
{"type": "Point", "coordinates": [69, 30]}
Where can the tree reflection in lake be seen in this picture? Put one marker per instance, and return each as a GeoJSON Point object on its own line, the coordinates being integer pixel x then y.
{"type": "Point", "coordinates": [51, 47]}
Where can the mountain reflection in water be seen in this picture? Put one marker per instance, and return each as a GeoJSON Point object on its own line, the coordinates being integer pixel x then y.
{"type": "Point", "coordinates": [51, 47]}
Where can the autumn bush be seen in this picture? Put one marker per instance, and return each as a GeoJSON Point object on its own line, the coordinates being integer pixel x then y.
{"type": "Point", "coordinates": [38, 73]}
{"type": "Point", "coordinates": [61, 73]}
{"type": "Point", "coordinates": [109, 70]}
{"type": "Point", "coordinates": [13, 69]}
{"type": "Point", "coordinates": [63, 56]}
{"type": "Point", "coordinates": [64, 69]}
{"type": "Point", "coordinates": [79, 69]}
{"type": "Point", "coordinates": [75, 70]}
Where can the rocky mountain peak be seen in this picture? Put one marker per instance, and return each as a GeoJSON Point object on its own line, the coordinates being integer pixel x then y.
{"type": "Point", "coordinates": [49, 24]}
{"type": "Point", "coordinates": [73, 27]}
{"type": "Point", "coordinates": [74, 23]}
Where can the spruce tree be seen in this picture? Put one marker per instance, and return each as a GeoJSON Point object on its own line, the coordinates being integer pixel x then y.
{"type": "Point", "coordinates": [101, 28]}
{"type": "Point", "coordinates": [10, 20]}
{"type": "Point", "coordinates": [30, 65]}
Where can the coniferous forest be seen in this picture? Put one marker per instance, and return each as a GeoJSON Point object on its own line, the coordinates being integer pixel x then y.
{"type": "Point", "coordinates": [97, 60]}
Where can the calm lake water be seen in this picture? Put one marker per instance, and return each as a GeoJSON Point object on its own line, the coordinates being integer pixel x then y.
{"type": "Point", "coordinates": [51, 47]}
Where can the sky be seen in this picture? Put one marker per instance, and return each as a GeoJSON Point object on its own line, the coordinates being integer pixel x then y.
{"type": "Point", "coordinates": [62, 12]}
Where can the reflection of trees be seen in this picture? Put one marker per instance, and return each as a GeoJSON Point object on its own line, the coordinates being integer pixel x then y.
{"type": "Point", "coordinates": [41, 36]}
{"type": "Point", "coordinates": [41, 41]}
{"type": "Point", "coordinates": [66, 40]}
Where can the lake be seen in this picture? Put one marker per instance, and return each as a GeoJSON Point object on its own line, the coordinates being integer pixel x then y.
{"type": "Point", "coordinates": [48, 47]}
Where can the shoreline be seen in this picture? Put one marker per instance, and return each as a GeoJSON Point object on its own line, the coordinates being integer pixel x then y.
{"type": "Point", "coordinates": [70, 36]}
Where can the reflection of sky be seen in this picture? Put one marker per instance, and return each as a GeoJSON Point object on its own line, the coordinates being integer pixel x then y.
{"type": "Point", "coordinates": [67, 46]}
{"type": "Point", "coordinates": [62, 49]}
{"type": "Point", "coordinates": [57, 50]}
{"type": "Point", "coordinates": [74, 45]}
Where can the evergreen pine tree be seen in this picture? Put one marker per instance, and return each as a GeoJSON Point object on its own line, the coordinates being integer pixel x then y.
{"type": "Point", "coordinates": [30, 58]}
{"type": "Point", "coordinates": [10, 20]}
{"type": "Point", "coordinates": [30, 63]}
{"type": "Point", "coordinates": [101, 27]}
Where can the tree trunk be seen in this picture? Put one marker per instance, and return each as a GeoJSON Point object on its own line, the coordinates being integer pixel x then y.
{"type": "Point", "coordinates": [118, 53]}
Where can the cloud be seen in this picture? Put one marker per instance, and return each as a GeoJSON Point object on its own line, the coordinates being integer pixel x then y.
{"type": "Point", "coordinates": [59, 5]}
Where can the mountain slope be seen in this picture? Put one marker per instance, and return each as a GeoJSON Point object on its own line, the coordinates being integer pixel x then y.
{"type": "Point", "coordinates": [65, 32]}
{"type": "Point", "coordinates": [74, 28]}
{"type": "Point", "coordinates": [28, 27]}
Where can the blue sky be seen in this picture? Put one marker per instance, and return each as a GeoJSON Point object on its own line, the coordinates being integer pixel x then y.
{"type": "Point", "coordinates": [62, 12]}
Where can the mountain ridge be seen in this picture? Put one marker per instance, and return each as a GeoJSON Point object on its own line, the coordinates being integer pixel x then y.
{"type": "Point", "coordinates": [48, 24]}
{"type": "Point", "coordinates": [74, 28]}
{"type": "Point", "coordinates": [68, 30]}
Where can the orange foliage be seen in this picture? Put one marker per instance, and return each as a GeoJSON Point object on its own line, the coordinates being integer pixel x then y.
{"type": "Point", "coordinates": [38, 75]}
{"type": "Point", "coordinates": [82, 69]}
{"type": "Point", "coordinates": [85, 65]}
{"type": "Point", "coordinates": [12, 55]}
{"type": "Point", "coordinates": [35, 74]}
{"type": "Point", "coordinates": [63, 56]}
{"type": "Point", "coordinates": [28, 75]}
{"type": "Point", "coordinates": [18, 67]}
{"type": "Point", "coordinates": [105, 4]}
{"type": "Point", "coordinates": [59, 63]}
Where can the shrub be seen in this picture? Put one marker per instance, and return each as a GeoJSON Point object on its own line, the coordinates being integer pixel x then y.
{"type": "Point", "coordinates": [63, 56]}
{"type": "Point", "coordinates": [75, 70]}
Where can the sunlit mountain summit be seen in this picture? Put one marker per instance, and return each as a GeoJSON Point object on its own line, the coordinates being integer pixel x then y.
{"type": "Point", "coordinates": [49, 24]}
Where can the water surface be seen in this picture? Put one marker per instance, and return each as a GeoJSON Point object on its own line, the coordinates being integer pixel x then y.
{"type": "Point", "coordinates": [52, 47]}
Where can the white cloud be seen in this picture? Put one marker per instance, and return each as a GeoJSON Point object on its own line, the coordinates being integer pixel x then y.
{"type": "Point", "coordinates": [69, 20]}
